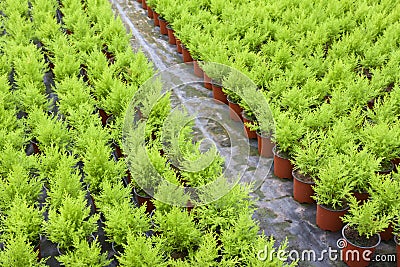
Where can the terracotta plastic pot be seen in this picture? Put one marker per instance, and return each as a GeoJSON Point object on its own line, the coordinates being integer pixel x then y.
{"type": "Point", "coordinates": [219, 96]}
{"type": "Point", "coordinates": [361, 196]}
{"type": "Point", "coordinates": [397, 241]}
{"type": "Point", "coordinates": [118, 150]}
{"type": "Point", "coordinates": [396, 163]}
{"type": "Point", "coordinates": [354, 255]}
{"type": "Point", "coordinates": [265, 146]}
{"type": "Point", "coordinates": [186, 54]}
{"type": "Point", "coordinates": [207, 81]}
{"type": "Point", "coordinates": [35, 147]}
{"type": "Point", "coordinates": [282, 166]}
{"type": "Point", "coordinates": [104, 116]}
{"type": "Point", "coordinates": [197, 70]}
{"type": "Point", "coordinates": [156, 20]}
{"type": "Point", "coordinates": [388, 170]}
{"type": "Point", "coordinates": [144, 4]}
{"type": "Point", "coordinates": [171, 35]}
{"type": "Point", "coordinates": [302, 190]}
{"type": "Point", "coordinates": [387, 234]}
{"type": "Point", "coordinates": [235, 111]}
{"type": "Point", "coordinates": [141, 199]}
{"type": "Point", "coordinates": [178, 46]}
{"type": "Point", "coordinates": [328, 219]}
{"type": "Point", "coordinates": [149, 12]}
{"type": "Point", "coordinates": [249, 133]}
{"type": "Point", "coordinates": [163, 26]}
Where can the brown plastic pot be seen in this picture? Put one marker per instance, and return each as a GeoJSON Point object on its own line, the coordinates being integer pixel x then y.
{"type": "Point", "coordinates": [387, 234]}
{"type": "Point", "coordinates": [265, 146]}
{"type": "Point", "coordinates": [207, 81]}
{"type": "Point", "coordinates": [144, 4]}
{"type": "Point", "coordinates": [354, 255]}
{"type": "Point", "coordinates": [178, 46]}
{"type": "Point", "coordinates": [171, 35]}
{"type": "Point", "coordinates": [282, 166]}
{"type": "Point", "coordinates": [219, 96]}
{"type": "Point", "coordinates": [249, 133]}
{"type": "Point", "coordinates": [302, 190]}
{"type": "Point", "coordinates": [397, 241]}
{"type": "Point", "coordinates": [156, 20]}
{"type": "Point", "coordinates": [104, 116]}
{"type": "Point", "coordinates": [186, 54]}
{"type": "Point", "coordinates": [328, 219]}
{"type": "Point", "coordinates": [142, 199]}
{"type": "Point", "coordinates": [396, 163]}
{"type": "Point", "coordinates": [197, 70]}
{"type": "Point", "coordinates": [235, 111]}
{"type": "Point", "coordinates": [163, 26]}
{"type": "Point", "coordinates": [149, 12]}
{"type": "Point", "coordinates": [388, 170]}
{"type": "Point", "coordinates": [361, 196]}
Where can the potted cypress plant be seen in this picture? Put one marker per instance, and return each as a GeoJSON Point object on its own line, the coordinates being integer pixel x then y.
{"type": "Point", "coordinates": [217, 72]}
{"type": "Point", "coordinates": [48, 130]}
{"type": "Point", "coordinates": [308, 156]}
{"type": "Point", "coordinates": [364, 222]}
{"type": "Point", "coordinates": [380, 140]}
{"type": "Point", "coordinates": [124, 219]}
{"type": "Point", "coordinates": [140, 250]}
{"type": "Point", "coordinates": [99, 166]}
{"type": "Point", "coordinates": [288, 132]}
{"type": "Point", "coordinates": [18, 182]}
{"type": "Point", "coordinates": [70, 221]}
{"type": "Point", "coordinates": [84, 253]}
{"type": "Point", "coordinates": [21, 219]}
{"type": "Point", "coordinates": [65, 181]}
{"type": "Point", "coordinates": [362, 165]}
{"type": "Point", "coordinates": [332, 190]}
{"type": "Point", "coordinates": [384, 191]}
{"type": "Point", "coordinates": [19, 252]}
{"type": "Point", "coordinates": [234, 86]}
{"type": "Point", "coordinates": [179, 231]}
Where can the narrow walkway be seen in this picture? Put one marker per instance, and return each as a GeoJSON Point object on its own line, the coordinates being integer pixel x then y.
{"type": "Point", "coordinates": [278, 214]}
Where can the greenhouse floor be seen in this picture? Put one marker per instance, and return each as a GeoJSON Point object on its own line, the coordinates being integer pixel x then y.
{"type": "Point", "coordinates": [278, 213]}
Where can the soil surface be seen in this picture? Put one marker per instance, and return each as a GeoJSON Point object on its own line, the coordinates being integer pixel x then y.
{"type": "Point", "coordinates": [353, 236]}
{"type": "Point", "coordinates": [277, 212]}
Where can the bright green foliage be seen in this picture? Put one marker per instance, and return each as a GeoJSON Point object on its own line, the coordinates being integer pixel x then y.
{"type": "Point", "coordinates": [85, 254]}
{"type": "Point", "coordinates": [384, 191]}
{"type": "Point", "coordinates": [123, 220]}
{"type": "Point", "coordinates": [142, 251]}
{"type": "Point", "coordinates": [18, 252]}
{"type": "Point", "coordinates": [178, 229]}
{"type": "Point", "coordinates": [21, 219]}
{"type": "Point", "coordinates": [366, 218]}
{"type": "Point", "coordinates": [237, 240]}
{"type": "Point", "coordinates": [112, 195]}
{"type": "Point", "coordinates": [18, 183]}
{"type": "Point", "coordinates": [334, 186]}
{"type": "Point", "coordinates": [69, 222]}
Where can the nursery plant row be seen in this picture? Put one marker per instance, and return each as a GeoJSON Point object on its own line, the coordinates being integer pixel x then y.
{"type": "Point", "coordinates": [67, 77]}
{"type": "Point", "coordinates": [329, 73]}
